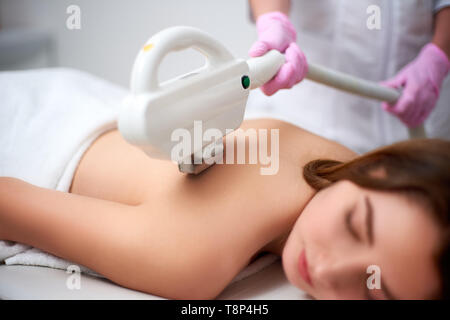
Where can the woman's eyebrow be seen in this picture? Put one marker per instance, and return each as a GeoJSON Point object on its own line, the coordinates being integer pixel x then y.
{"type": "Point", "coordinates": [369, 220]}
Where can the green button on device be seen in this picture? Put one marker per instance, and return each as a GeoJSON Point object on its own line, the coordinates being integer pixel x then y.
{"type": "Point", "coordinates": [245, 80]}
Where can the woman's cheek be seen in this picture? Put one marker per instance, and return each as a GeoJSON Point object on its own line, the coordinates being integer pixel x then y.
{"type": "Point", "coordinates": [289, 260]}
{"type": "Point", "coordinates": [295, 243]}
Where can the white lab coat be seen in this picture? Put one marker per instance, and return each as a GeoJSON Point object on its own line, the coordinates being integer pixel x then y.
{"type": "Point", "coordinates": [334, 33]}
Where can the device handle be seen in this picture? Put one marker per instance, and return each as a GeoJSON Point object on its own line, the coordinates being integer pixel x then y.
{"type": "Point", "coordinates": [263, 68]}
{"type": "Point", "coordinates": [355, 85]}
{"type": "Point", "coordinates": [351, 84]}
{"type": "Point", "coordinates": [145, 69]}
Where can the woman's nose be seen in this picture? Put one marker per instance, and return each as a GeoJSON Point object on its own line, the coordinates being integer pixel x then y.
{"type": "Point", "coordinates": [338, 273]}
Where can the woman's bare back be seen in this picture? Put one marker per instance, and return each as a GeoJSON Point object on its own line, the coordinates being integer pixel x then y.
{"type": "Point", "coordinates": [227, 198]}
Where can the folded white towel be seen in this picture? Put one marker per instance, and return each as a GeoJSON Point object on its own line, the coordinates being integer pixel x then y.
{"type": "Point", "coordinates": [48, 119]}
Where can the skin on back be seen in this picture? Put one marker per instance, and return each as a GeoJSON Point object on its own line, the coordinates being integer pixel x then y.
{"type": "Point", "coordinates": [251, 212]}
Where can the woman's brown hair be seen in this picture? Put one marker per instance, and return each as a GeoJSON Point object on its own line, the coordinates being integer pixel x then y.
{"type": "Point", "coordinates": [417, 168]}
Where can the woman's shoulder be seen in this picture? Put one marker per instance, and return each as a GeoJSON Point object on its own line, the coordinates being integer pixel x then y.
{"type": "Point", "coordinates": [301, 143]}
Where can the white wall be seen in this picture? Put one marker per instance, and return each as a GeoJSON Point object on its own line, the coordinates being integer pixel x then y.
{"type": "Point", "coordinates": [112, 31]}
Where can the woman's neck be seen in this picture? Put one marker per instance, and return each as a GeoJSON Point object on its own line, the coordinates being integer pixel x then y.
{"type": "Point", "coordinates": [277, 245]}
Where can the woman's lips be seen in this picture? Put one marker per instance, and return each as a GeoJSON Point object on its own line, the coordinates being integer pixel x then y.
{"type": "Point", "coordinates": [303, 268]}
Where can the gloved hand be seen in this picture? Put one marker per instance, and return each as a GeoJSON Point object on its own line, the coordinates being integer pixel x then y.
{"type": "Point", "coordinates": [275, 31]}
{"type": "Point", "coordinates": [421, 81]}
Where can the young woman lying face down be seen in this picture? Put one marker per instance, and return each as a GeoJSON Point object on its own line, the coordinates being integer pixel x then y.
{"type": "Point", "coordinates": [337, 223]}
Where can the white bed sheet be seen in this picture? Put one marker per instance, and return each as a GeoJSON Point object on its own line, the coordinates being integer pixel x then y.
{"type": "Point", "coordinates": [33, 282]}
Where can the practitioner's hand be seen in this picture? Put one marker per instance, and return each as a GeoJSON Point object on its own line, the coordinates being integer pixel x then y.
{"type": "Point", "coordinates": [275, 31]}
{"type": "Point", "coordinates": [421, 81]}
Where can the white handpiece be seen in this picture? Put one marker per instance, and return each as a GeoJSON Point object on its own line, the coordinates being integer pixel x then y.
{"type": "Point", "coordinates": [262, 70]}
{"type": "Point", "coordinates": [157, 117]}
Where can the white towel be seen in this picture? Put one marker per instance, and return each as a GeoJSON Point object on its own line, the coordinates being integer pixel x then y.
{"type": "Point", "coordinates": [48, 119]}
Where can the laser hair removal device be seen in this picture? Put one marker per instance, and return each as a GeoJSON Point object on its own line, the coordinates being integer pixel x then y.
{"type": "Point", "coordinates": [213, 96]}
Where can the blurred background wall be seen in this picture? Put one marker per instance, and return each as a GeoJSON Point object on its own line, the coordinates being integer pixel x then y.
{"type": "Point", "coordinates": [34, 34]}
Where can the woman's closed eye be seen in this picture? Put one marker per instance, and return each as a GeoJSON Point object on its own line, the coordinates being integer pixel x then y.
{"type": "Point", "coordinates": [366, 229]}
{"type": "Point", "coordinates": [349, 225]}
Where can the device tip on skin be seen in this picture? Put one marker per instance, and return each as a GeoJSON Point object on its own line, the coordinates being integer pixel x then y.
{"type": "Point", "coordinates": [197, 163]}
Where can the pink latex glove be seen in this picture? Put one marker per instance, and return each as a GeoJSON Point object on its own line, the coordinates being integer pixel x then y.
{"type": "Point", "coordinates": [421, 81]}
{"type": "Point", "coordinates": [275, 31]}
